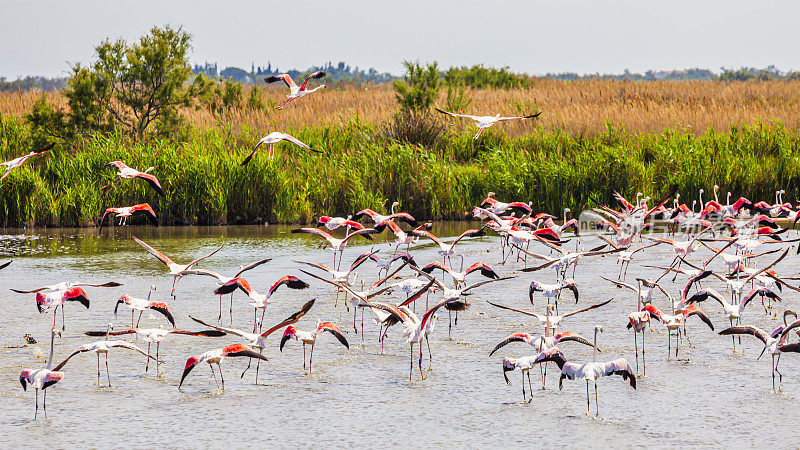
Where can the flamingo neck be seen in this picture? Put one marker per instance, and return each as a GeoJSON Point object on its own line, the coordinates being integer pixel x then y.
{"type": "Point", "coordinates": [52, 342]}
{"type": "Point", "coordinates": [594, 352]}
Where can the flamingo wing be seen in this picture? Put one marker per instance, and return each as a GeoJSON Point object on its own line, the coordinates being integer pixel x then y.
{"type": "Point", "coordinates": [334, 330]}
{"type": "Point", "coordinates": [588, 308]}
{"type": "Point", "coordinates": [282, 77]}
{"type": "Point", "coordinates": [164, 309]}
{"type": "Point", "coordinates": [417, 294]}
{"type": "Point", "coordinates": [515, 337]}
{"type": "Point", "coordinates": [465, 116]}
{"type": "Point", "coordinates": [291, 319]}
{"type": "Point", "coordinates": [531, 116]}
{"type": "Point", "coordinates": [522, 311]}
{"type": "Point", "coordinates": [756, 332]}
{"type": "Point", "coordinates": [317, 74]}
{"type": "Point", "coordinates": [252, 266]}
{"type": "Point", "coordinates": [620, 367]}
{"type": "Point", "coordinates": [317, 265]}
{"type": "Point", "coordinates": [234, 331]}
{"type": "Point", "coordinates": [152, 180]}
{"type": "Point", "coordinates": [161, 257]}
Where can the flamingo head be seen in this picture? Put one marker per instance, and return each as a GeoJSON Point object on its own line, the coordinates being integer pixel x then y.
{"type": "Point", "coordinates": [509, 364]}
{"type": "Point", "coordinates": [289, 333]}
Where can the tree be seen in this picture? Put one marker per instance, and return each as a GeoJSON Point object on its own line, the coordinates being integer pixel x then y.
{"type": "Point", "coordinates": [133, 85]}
{"type": "Point", "coordinates": [419, 88]}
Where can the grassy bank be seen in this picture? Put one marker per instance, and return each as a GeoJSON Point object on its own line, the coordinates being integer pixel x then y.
{"type": "Point", "coordinates": [361, 167]}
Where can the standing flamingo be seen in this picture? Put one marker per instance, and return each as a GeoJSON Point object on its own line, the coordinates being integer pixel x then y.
{"type": "Point", "coordinates": [295, 91]}
{"type": "Point", "coordinates": [259, 340]}
{"type": "Point", "coordinates": [42, 378]}
{"type": "Point", "coordinates": [588, 371]}
{"type": "Point", "coordinates": [140, 304]}
{"type": "Point", "coordinates": [310, 338]}
{"type": "Point", "coordinates": [216, 356]}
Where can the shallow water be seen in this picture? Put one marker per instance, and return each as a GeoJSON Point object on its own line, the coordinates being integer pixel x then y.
{"type": "Point", "coordinates": [362, 396]}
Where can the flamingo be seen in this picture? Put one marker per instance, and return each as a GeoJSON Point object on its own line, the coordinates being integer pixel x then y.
{"type": "Point", "coordinates": [673, 322]}
{"type": "Point", "coordinates": [386, 264]}
{"type": "Point", "coordinates": [333, 223]}
{"type": "Point", "coordinates": [42, 378]}
{"type": "Point", "coordinates": [446, 251]}
{"type": "Point", "coordinates": [499, 207]}
{"type": "Point", "coordinates": [103, 347]}
{"type": "Point", "coordinates": [771, 342]}
{"type": "Point", "coordinates": [229, 284]}
{"type": "Point", "coordinates": [341, 276]}
{"type": "Point", "coordinates": [125, 172]}
{"type": "Point", "coordinates": [483, 122]}
{"type": "Point", "coordinates": [156, 335]}
{"type": "Point", "coordinates": [588, 371]}
{"type": "Point", "coordinates": [553, 290]}
{"type": "Point", "coordinates": [175, 269]}
{"type": "Point", "coordinates": [216, 356]}
{"type": "Point", "coordinates": [551, 321]}
{"type": "Point", "coordinates": [625, 256]}
{"type": "Point", "coordinates": [259, 340]}
{"type": "Point", "coordinates": [272, 139]}
{"type": "Point", "coordinates": [17, 162]}
{"type": "Point", "coordinates": [637, 321]}
{"type": "Point", "coordinates": [57, 298]}
{"type": "Point", "coordinates": [127, 211]}
{"type": "Point", "coordinates": [380, 218]}
{"type": "Point", "coordinates": [414, 328]}
{"type": "Point", "coordinates": [731, 312]}
{"type": "Point", "coordinates": [295, 91]}
{"type": "Point", "coordinates": [337, 245]}
{"type": "Point", "coordinates": [63, 286]}
{"type": "Point", "coordinates": [460, 277]}
{"type": "Point", "coordinates": [540, 343]}
{"type": "Point", "coordinates": [140, 304]}
{"type": "Point", "coordinates": [310, 338]}
{"type": "Point", "coordinates": [525, 364]}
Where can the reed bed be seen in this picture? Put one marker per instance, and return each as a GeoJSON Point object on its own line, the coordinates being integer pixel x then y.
{"type": "Point", "coordinates": [579, 108]}
{"type": "Point", "coordinates": [362, 167]}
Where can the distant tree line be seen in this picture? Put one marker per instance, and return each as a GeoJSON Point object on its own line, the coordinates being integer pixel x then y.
{"type": "Point", "coordinates": [476, 77]}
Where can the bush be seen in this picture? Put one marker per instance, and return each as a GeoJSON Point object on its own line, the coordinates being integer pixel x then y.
{"type": "Point", "coordinates": [415, 128]}
{"type": "Point", "coordinates": [479, 77]}
{"type": "Point", "coordinates": [419, 88]}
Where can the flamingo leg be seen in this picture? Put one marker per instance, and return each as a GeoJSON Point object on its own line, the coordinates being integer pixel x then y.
{"type": "Point", "coordinates": [158, 363]}
{"type": "Point", "coordinates": [63, 325]}
{"type": "Point", "coordinates": [430, 355]}
{"type": "Point", "coordinates": [644, 364]}
{"type": "Point", "coordinates": [588, 408]}
{"type": "Point", "coordinates": [530, 386]}
{"type": "Point", "coordinates": [780, 375]}
{"type": "Point", "coordinates": [221, 377]}
{"type": "Point", "coordinates": [231, 309]}
{"type": "Point", "coordinates": [139, 319]}
{"type": "Point", "coordinates": [596, 403]}
{"type": "Point", "coordinates": [36, 413]}
{"type": "Point", "coordinates": [108, 374]}
{"type": "Point", "coordinates": [98, 369]}
{"type": "Point", "coordinates": [310, 358]}
{"type": "Point", "coordinates": [411, 367]}
{"type": "Point", "coordinates": [421, 373]}
{"type": "Point", "coordinates": [258, 364]}
{"type": "Point", "coordinates": [131, 318]}
{"type": "Point", "coordinates": [147, 363]}
{"type": "Point", "coordinates": [220, 308]}
{"type": "Point", "coordinates": [636, 348]}
{"type": "Point", "coordinates": [214, 375]}
{"type": "Point", "coordinates": [524, 397]}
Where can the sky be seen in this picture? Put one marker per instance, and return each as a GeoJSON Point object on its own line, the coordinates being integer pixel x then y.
{"type": "Point", "coordinates": [532, 36]}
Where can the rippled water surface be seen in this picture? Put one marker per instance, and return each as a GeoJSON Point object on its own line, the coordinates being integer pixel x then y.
{"type": "Point", "coordinates": [362, 396]}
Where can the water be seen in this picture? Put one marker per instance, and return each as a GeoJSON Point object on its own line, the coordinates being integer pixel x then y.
{"type": "Point", "coordinates": [362, 396]}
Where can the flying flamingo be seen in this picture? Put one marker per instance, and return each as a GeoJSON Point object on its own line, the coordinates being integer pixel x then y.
{"type": "Point", "coordinates": [295, 91]}
{"type": "Point", "coordinates": [125, 172]}
{"type": "Point", "coordinates": [216, 356]}
{"type": "Point", "coordinates": [155, 335]}
{"type": "Point", "coordinates": [341, 276]}
{"type": "Point", "coordinates": [103, 347]}
{"type": "Point", "coordinates": [386, 264]}
{"type": "Point", "coordinates": [310, 338]}
{"type": "Point", "coordinates": [140, 304]}
{"type": "Point", "coordinates": [127, 211]}
{"type": "Point", "coordinates": [259, 340]}
{"type": "Point", "coordinates": [272, 139]}
{"type": "Point", "coordinates": [499, 207]}
{"type": "Point", "coordinates": [175, 269]}
{"type": "Point", "coordinates": [588, 371]}
{"type": "Point", "coordinates": [333, 223]}
{"type": "Point", "coordinates": [553, 290]}
{"type": "Point", "coordinates": [483, 122]}
{"type": "Point", "coordinates": [380, 218]}
{"type": "Point", "coordinates": [338, 245]}
{"type": "Point", "coordinates": [446, 251]}
{"type": "Point", "coordinates": [731, 312]}
{"type": "Point", "coordinates": [14, 163]}
{"type": "Point", "coordinates": [42, 378]}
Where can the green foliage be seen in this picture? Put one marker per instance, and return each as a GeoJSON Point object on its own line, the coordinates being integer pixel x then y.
{"type": "Point", "coordinates": [204, 183]}
{"type": "Point", "coordinates": [254, 100]}
{"type": "Point", "coordinates": [479, 77]}
{"type": "Point", "coordinates": [414, 128]}
{"type": "Point", "coordinates": [457, 99]}
{"type": "Point", "coordinates": [419, 88]}
{"type": "Point", "coordinates": [134, 86]}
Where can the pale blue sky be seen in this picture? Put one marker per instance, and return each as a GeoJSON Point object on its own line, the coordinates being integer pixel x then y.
{"type": "Point", "coordinates": [42, 37]}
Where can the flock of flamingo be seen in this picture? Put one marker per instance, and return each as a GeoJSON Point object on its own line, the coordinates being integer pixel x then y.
{"type": "Point", "coordinates": [738, 235]}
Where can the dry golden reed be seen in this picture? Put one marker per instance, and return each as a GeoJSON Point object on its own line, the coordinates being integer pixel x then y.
{"type": "Point", "coordinates": [577, 108]}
